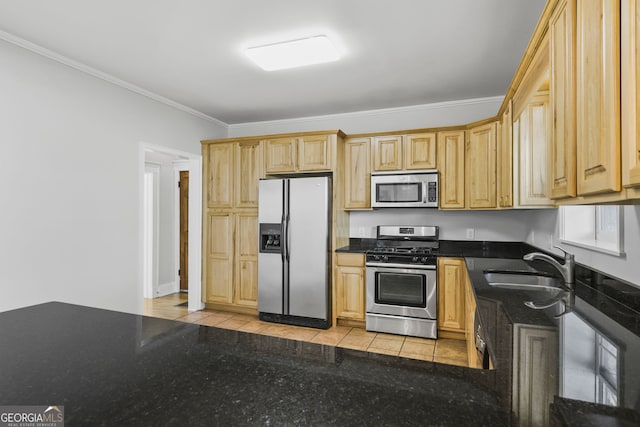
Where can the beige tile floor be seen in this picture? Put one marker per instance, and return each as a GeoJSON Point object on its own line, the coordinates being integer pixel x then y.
{"type": "Point", "coordinates": [448, 351]}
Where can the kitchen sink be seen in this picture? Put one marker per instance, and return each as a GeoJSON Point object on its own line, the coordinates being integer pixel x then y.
{"type": "Point", "coordinates": [524, 282]}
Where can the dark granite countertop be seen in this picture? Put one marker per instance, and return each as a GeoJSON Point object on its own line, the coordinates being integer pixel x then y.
{"type": "Point", "coordinates": [110, 368]}
{"type": "Point", "coordinates": [593, 377]}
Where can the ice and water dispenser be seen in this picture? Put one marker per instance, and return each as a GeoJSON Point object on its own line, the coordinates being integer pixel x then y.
{"type": "Point", "coordinates": [270, 238]}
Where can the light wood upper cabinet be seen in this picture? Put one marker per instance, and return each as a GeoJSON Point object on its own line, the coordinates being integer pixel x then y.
{"type": "Point", "coordinates": [315, 153]}
{"type": "Point", "coordinates": [308, 153]}
{"type": "Point", "coordinates": [219, 175]}
{"type": "Point", "coordinates": [248, 170]}
{"type": "Point", "coordinates": [350, 286]}
{"type": "Point", "coordinates": [563, 101]}
{"type": "Point", "coordinates": [480, 167]}
{"type": "Point", "coordinates": [533, 152]}
{"type": "Point", "coordinates": [387, 153]}
{"type": "Point", "coordinates": [357, 158]}
{"type": "Point", "coordinates": [630, 72]}
{"type": "Point", "coordinates": [505, 159]}
{"type": "Point", "coordinates": [280, 155]}
{"type": "Point", "coordinates": [420, 151]}
{"type": "Point", "coordinates": [246, 259]}
{"type": "Point", "coordinates": [219, 259]}
{"type": "Point", "coordinates": [451, 297]}
{"type": "Point", "coordinates": [451, 152]}
{"type": "Point", "coordinates": [598, 96]}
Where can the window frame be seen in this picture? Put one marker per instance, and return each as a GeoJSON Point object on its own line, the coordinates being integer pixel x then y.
{"type": "Point", "coordinates": [612, 248]}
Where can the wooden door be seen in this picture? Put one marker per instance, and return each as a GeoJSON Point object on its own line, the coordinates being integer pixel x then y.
{"type": "Point", "coordinates": [357, 160]}
{"type": "Point", "coordinates": [631, 90]}
{"type": "Point", "coordinates": [451, 311]}
{"type": "Point", "coordinates": [480, 167]}
{"type": "Point", "coordinates": [218, 284]}
{"type": "Point", "coordinates": [387, 153]}
{"type": "Point", "coordinates": [451, 168]}
{"type": "Point", "coordinates": [280, 155]}
{"type": "Point", "coordinates": [315, 153]}
{"type": "Point", "coordinates": [246, 260]}
{"type": "Point", "coordinates": [219, 175]}
{"type": "Point", "coordinates": [184, 230]}
{"type": "Point", "coordinates": [420, 151]}
{"type": "Point", "coordinates": [505, 159]}
{"type": "Point", "coordinates": [598, 96]}
{"type": "Point", "coordinates": [563, 101]}
{"type": "Point", "coordinates": [248, 171]}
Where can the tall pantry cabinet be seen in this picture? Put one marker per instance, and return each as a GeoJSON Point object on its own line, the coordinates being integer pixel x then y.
{"type": "Point", "coordinates": [230, 227]}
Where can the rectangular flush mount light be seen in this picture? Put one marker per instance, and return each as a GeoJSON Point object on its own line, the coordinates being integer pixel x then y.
{"type": "Point", "coordinates": [294, 53]}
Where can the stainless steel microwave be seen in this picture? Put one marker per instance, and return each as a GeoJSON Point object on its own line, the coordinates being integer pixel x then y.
{"type": "Point", "coordinates": [405, 189]}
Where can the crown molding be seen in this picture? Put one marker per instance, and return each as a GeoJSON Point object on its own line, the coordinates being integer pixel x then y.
{"type": "Point", "coordinates": [393, 110]}
{"type": "Point", "coordinates": [47, 53]}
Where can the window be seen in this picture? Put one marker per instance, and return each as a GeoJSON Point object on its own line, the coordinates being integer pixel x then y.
{"type": "Point", "coordinates": [593, 227]}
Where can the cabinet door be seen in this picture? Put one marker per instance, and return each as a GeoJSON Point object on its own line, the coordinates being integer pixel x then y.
{"type": "Point", "coordinates": [451, 168]}
{"type": "Point", "coordinates": [248, 171]}
{"type": "Point", "coordinates": [387, 153]}
{"type": "Point", "coordinates": [315, 153]}
{"type": "Point", "coordinates": [598, 96]}
{"type": "Point", "coordinates": [533, 152]}
{"type": "Point", "coordinates": [420, 151]}
{"type": "Point", "coordinates": [481, 167]}
{"type": "Point", "coordinates": [246, 260]}
{"type": "Point", "coordinates": [631, 89]}
{"type": "Point", "coordinates": [451, 312]}
{"type": "Point", "coordinates": [357, 184]}
{"type": "Point", "coordinates": [505, 160]}
{"type": "Point", "coordinates": [280, 155]}
{"type": "Point", "coordinates": [219, 175]}
{"type": "Point", "coordinates": [218, 275]}
{"type": "Point", "coordinates": [350, 293]}
{"type": "Point", "coordinates": [563, 101]}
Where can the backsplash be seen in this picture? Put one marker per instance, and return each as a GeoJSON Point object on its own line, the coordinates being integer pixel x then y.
{"type": "Point", "coordinates": [504, 225]}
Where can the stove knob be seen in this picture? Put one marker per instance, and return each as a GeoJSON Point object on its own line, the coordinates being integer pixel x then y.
{"type": "Point", "coordinates": [424, 259]}
{"type": "Point", "coordinates": [376, 257]}
{"type": "Point", "coordinates": [385, 258]}
{"type": "Point", "coordinates": [414, 259]}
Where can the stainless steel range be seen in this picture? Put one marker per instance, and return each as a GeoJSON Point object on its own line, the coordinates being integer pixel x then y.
{"type": "Point", "coordinates": [401, 281]}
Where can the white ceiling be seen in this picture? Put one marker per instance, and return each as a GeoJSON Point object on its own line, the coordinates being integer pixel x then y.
{"type": "Point", "coordinates": [396, 53]}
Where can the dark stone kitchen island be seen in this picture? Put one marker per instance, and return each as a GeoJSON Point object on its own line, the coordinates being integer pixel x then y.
{"type": "Point", "coordinates": [111, 368]}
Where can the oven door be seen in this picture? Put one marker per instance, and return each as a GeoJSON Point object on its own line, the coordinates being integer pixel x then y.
{"type": "Point", "coordinates": [399, 290]}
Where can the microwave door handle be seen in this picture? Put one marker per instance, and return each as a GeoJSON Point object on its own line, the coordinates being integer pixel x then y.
{"type": "Point", "coordinates": [425, 192]}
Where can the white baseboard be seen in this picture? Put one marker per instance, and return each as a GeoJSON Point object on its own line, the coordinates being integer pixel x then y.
{"type": "Point", "coordinates": [167, 289]}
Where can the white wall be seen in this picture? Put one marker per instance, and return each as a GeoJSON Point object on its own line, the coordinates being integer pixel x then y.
{"type": "Point", "coordinates": [508, 225]}
{"type": "Point", "coordinates": [70, 164]}
{"type": "Point", "coordinates": [385, 120]}
{"type": "Point", "coordinates": [544, 225]}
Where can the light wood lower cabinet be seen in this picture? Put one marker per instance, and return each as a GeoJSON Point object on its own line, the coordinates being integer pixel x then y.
{"type": "Point", "coordinates": [350, 289]}
{"type": "Point", "coordinates": [469, 321]}
{"type": "Point", "coordinates": [231, 251]}
{"type": "Point", "coordinates": [451, 298]}
{"type": "Point", "coordinates": [218, 284]}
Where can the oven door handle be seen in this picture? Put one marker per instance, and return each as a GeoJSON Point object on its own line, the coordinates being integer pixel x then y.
{"type": "Point", "coordinates": [403, 266]}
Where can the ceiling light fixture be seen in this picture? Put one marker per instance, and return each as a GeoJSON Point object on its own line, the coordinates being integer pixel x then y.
{"type": "Point", "coordinates": [294, 53]}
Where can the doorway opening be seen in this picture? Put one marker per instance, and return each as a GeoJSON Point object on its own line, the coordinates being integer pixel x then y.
{"type": "Point", "coordinates": [171, 224]}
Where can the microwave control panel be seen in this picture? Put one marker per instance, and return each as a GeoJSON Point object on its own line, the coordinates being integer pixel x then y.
{"type": "Point", "coordinates": [432, 192]}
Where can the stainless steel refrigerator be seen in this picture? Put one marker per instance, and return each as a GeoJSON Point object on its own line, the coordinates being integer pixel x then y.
{"type": "Point", "coordinates": [294, 254]}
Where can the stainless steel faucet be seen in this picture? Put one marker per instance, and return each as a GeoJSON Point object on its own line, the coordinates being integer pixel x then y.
{"type": "Point", "coordinates": [566, 269]}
